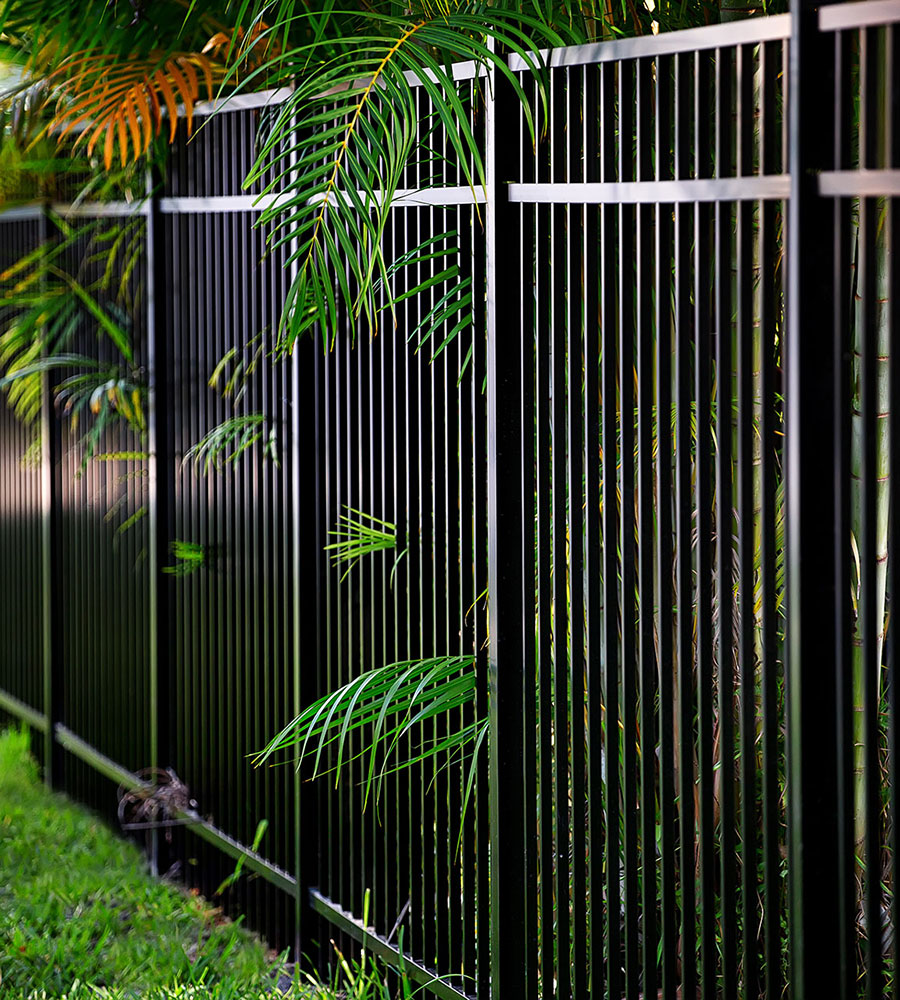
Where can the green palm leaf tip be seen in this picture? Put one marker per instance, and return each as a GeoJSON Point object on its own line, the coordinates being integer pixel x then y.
{"type": "Point", "coordinates": [228, 441]}
{"type": "Point", "coordinates": [392, 700]}
{"type": "Point", "coordinates": [189, 557]}
{"type": "Point", "coordinates": [358, 536]}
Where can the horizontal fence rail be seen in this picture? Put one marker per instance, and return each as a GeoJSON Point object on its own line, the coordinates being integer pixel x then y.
{"type": "Point", "coordinates": [595, 495]}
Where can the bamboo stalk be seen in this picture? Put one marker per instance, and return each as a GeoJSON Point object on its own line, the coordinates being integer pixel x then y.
{"type": "Point", "coordinates": [881, 486]}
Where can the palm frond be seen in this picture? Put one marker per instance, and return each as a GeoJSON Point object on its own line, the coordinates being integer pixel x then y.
{"type": "Point", "coordinates": [387, 704]}
{"type": "Point", "coordinates": [122, 104]}
{"type": "Point", "coordinates": [232, 373]}
{"type": "Point", "coordinates": [46, 299]}
{"type": "Point", "coordinates": [102, 389]}
{"type": "Point", "coordinates": [131, 521]}
{"type": "Point", "coordinates": [360, 536]}
{"type": "Point", "coordinates": [53, 278]}
{"type": "Point", "coordinates": [189, 557]}
{"type": "Point", "coordinates": [112, 84]}
{"type": "Point", "coordinates": [226, 442]}
{"type": "Point", "coordinates": [336, 151]}
{"type": "Point", "coordinates": [440, 257]}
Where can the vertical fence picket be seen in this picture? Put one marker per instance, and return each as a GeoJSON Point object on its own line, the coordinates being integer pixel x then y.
{"type": "Point", "coordinates": [703, 313]}
{"type": "Point", "coordinates": [892, 83]}
{"type": "Point", "coordinates": [842, 375]}
{"type": "Point", "coordinates": [159, 467]}
{"type": "Point", "coordinates": [506, 559]}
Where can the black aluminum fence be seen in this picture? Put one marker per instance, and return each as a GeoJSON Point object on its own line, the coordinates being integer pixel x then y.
{"type": "Point", "coordinates": [654, 250]}
{"type": "Point", "coordinates": [650, 495]}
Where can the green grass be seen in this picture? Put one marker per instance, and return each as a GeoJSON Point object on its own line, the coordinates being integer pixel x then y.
{"type": "Point", "coordinates": [80, 916]}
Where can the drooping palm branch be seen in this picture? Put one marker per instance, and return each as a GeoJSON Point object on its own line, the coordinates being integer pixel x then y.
{"type": "Point", "coordinates": [336, 151]}
{"type": "Point", "coordinates": [388, 704]}
{"type": "Point", "coordinates": [229, 440]}
{"type": "Point", "coordinates": [73, 285]}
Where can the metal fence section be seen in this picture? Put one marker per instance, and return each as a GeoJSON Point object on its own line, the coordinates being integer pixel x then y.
{"type": "Point", "coordinates": [226, 625]}
{"type": "Point", "coordinates": [21, 526]}
{"type": "Point", "coordinates": [649, 492]}
{"type": "Point", "coordinates": [857, 189]}
{"type": "Point", "coordinates": [399, 436]}
{"type": "Point", "coordinates": [651, 319]}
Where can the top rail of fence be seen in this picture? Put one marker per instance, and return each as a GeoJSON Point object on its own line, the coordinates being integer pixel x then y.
{"type": "Point", "coordinates": [861, 14]}
{"type": "Point", "coordinates": [713, 36]}
{"type": "Point", "coordinates": [239, 102]}
{"type": "Point", "coordinates": [263, 99]}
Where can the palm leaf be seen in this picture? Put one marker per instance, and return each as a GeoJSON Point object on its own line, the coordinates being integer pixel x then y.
{"type": "Point", "coordinates": [189, 557]}
{"type": "Point", "coordinates": [47, 305]}
{"type": "Point", "coordinates": [388, 703]}
{"type": "Point", "coordinates": [110, 73]}
{"type": "Point", "coordinates": [360, 536]}
{"type": "Point", "coordinates": [101, 98]}
{"type": "Point", "coordinates": [228, 441]}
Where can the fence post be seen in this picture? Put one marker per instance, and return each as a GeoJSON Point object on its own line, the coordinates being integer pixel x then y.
{"type": "Point", "coordinates": [303, 409]}
{"type": "Point", "coordinates": [158, 505]}
{"type": "Point", "coordinates": [51, 571]}
{"type": "Point", "coordinates": [506, 425]}
{"type": "Point", "coordinates": [812, 455]}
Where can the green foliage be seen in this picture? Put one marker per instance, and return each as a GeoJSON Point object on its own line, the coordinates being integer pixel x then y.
{"type": "Point", "coordinates": [100, 391]}
{"type": "Point", "coordinates": [233, 371]}
{"type": "Point", "coordinates": [385, 705]}
{"type": "Point", "coordinates": [358, 536]}
{"type": "Point", "coordinates": [454, 305]}
{"type": "Point", "coordinates": [81, 917]}
{"type": "Point", "coordinates": [130, 521]}
{"type": "Point", "coordinates": [226, 442]}
{"type": "Point", "coordinates": [189, 557]}
{"type": "Point", "coordinates": [234, 877]}
{"type": "Point", "coordinates": [336, 150]}
{"type": "Point", "coordinates": [360, 979]}
{"type": "Point", "coordinates": [71, 287]}
{"type": "Point", "coordinates": [99, 76]}
{"type": "Point", "coordinates": [78, 279]}
{"type": "Point", "coordinates": [27, 173]}
{"type": "Point", "coordinates": [227, 990]}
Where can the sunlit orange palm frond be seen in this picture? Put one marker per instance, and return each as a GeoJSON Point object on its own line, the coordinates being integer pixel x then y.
{"type": "Point", "coordinates": [121, 103]}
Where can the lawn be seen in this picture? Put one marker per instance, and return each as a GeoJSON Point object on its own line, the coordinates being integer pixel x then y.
{"type": "Point", "coordinates": [81, 917]}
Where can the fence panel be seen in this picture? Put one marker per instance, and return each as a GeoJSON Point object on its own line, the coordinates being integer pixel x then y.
{"type": "Point", "coordinates": [99, 492]}
{"type": "Point", "coordinates": [227, 671]}
{"type": "Point", "coordinates": [400, 438]}
{"type": "Point", "coordinates": [21, 482]}
{"type": "Point", "coordinates": [857, 189]}
{"type": "Point", "coordinates": [653, 237]}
